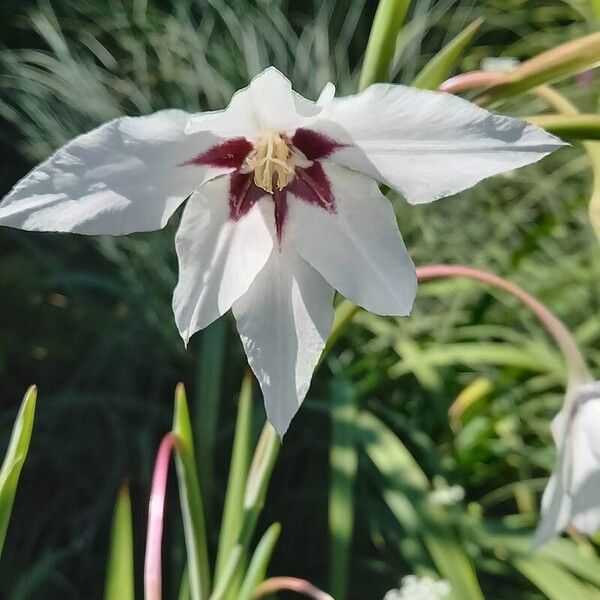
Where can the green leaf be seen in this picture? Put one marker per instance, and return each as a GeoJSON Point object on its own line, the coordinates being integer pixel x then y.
{"type": "Point", "coordinates": [381, 46]}
{"type": "Point", "coordinates": [564, 60]}
{"type": "Point", "coordinates": [343, 464]}
{"type": "Point", "coordinates": [439, 68]}
{"type": "Point", "coordinates": [14, 459]}
{"type": "Point", "coordinates": [191, 500]}
{"type": "Point", "coordinates": [233, 511]}
{"type": "Point", "coordinates": [572, 127]}
{"type": "Point", "coordinates": [405, 495]}
{"type": "Point", "coordinates": [223, 586]}
{"type": "Point", "coordinates": [259, 563]}
{"type": "Point", "coordinates": [120, 571]}
{"type": "Point", "coordinates": [552, 580]}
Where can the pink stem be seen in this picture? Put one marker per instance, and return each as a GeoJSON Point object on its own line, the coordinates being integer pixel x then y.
{"type": "Point", "coordinates": [292, 584]}
{"type": "Point", "coordinates": [152, 561]}
{"type": "Point", "coordinates": [468, 81]}
{"type": "Point", "coordinates": [576, 365]}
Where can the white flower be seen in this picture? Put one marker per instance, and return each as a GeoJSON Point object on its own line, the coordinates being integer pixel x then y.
{"type": "Point", "coordinates": [572, 496]}
{"type": "Point", "coordinates": [282, 204]}
{"type": "Point", "coordinates": [447, 495]}
{"type": "Point", "coordinates": [413, 587]}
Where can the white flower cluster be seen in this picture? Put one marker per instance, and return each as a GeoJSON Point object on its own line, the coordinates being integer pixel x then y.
{"type": "Point", "coordinates": [413, 587]}
{"type": "Point", "coordinates": [447, 495]}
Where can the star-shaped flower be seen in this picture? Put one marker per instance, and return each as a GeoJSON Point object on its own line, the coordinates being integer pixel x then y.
{"type": "Point", "coordinates": [282, 204]}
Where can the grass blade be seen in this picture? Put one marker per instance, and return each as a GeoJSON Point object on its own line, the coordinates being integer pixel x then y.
{"type": "Point", "coordinates": [343, 463]}
{"type": "Point", "coordinates": [14, 459]}
{"type": "Point", "coordinates": [233, 511]}
{"type": "Point", "coordinates": [259, 563]}
{"type": "Point", "coordinates": [572, 127]}
{"type": "Point", "coordinates": [120, 571]}
{"type": "Point", "coordinates": [406, 498]}
{"type": "Point", "coordinates": [381, 46]}
{"type": "Point", "coordinates": [191, 500]}
{"type": "Point", "coordinates": [439, 68]}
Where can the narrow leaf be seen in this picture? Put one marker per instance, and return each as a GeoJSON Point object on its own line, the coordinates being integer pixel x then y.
{"type": "Point", "coordinates": [343, 465]}
{"type": "Point", "coordinates": [259, 563]}
{"type": "Point", "coordinates": [405, 496]}
{"type": "Point", "coordinates": [439, 68]}
{"type": "Point", "coordinates": [572, 127]}
{"type": "Point", "coordinates": [381, 46]}
{"type": "Point", "coordinates": [233, 511]}
{"type": "Point", "coordinates": [14, 459]}
{"type": "Point", "coordinates": [120, 571]}
{"type": "Point", "coordinates": [191, 500]}
{"type": "Point", "coordinates": [564, 60]}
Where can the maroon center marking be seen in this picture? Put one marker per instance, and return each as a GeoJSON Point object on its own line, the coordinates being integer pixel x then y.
{"type": "Point", "coordinates": [229, 154]}
{"type": "Point", "coordinates": [313, 145]}
{"type": "Point", "coordinates": [310, 184]}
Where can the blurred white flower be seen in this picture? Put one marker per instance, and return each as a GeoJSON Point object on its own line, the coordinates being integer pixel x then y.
{"type": "Point", "coordinates": [282, 205]}
{"type": "Point", "coordinates": [413, 587]}
{"type": "Point", "coordinates": [447, 495]}
{"type": "Point", "coordinates": [499, 64]}
{"type": "Point", "coordinates": [572, 496]}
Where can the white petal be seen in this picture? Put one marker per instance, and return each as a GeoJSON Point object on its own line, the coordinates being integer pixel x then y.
{"type": "Point", "coordinates": [572, 495]}
{"type": "Point", "coordinates": [122, 177]}
{"type": "Point", "coordinates": [327, 94]}
{"type": "Point", "coordinates": [427, 145]}
{"type": "Point", "coordinates": [218, 258]}
{"type": "Point", "coordinates": [284, 321]}
{"type": "Point", "coordinates": [267, 104]}
{"type": "Point", "coordinates": [358, 249]}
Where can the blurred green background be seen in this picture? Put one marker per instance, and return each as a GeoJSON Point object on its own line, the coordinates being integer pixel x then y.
{"type": "Point", "coordinates": [89, 319]}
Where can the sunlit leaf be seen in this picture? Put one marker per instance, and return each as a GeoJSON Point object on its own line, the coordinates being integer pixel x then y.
{"type": "Point", "coordinates": [259, 563]}
{"type": "Point", "coordinates": [120, 571]}
{"type": "Point", "coordinates": [388, 21]}
{"type": "Point", "coordinates": [191, 500]}
{"type": "Point", "coordinates": [14, 459]}
{"type": "Point", "coordinates": [343, 462]}
{"type": "Point", "coordinates": [440, 67]}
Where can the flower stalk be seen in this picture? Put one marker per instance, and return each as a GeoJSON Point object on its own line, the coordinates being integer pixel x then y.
{"type": "Point", "coordinates": [152, 561]}
{"type": "Point", "coordinates": [292, 584]}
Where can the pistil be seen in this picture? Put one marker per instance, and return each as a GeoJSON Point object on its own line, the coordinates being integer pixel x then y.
{"type": "Point", "coordinates": [272, 161]}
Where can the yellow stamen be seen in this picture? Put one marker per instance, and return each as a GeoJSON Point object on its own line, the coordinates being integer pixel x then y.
{"type": "Point", "coordinates": [272, 162]}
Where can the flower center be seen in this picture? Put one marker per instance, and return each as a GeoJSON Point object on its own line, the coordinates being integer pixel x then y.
{"type": "Point", "coordinates": [272, 160]}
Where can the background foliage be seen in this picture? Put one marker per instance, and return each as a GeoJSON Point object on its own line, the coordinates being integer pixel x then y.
{"type": "Point", "coordinates": [468, 384]}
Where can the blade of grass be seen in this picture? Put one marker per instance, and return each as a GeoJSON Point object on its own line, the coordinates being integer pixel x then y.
{"type": "Point", "coordinates": [120, 571]}
{"type": "Point", "coordinates": [233, 511]}
{"type": "Point", "coordinates": [259, 563]}
{"type": "Point", "coordinates": [438, 69]}
{"type": "Point", "coordinates": [14, 459]}
{"type": "Point", "coordinates": [405, 495]}
{"type": "Point", "coordinates": [552, 580]}
{"type": "Point", "coordinates": [381, 46]}
{"type": "Point", "coordinates": [191, 500]}
{"type": "Point", "coordinates": [343, 465]}
{"type": "Point", "coordinates": [572, 127]}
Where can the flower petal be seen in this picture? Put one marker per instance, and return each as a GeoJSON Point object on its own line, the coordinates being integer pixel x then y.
{"type": "Point", "coordinates": [124, 176]}
{"type": "Point", "coordinates": [427, 145]}
{"type": "Point", "coordinates": [572, 495]}
{"type": "Point", "coordinates": [267, 104]}
{"type": "Point", "coordinates": [218, 257]}
{"type": "Point", "coordinates": [284, 320]}
{"type": "Point", "coordinates": [357, 248]}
